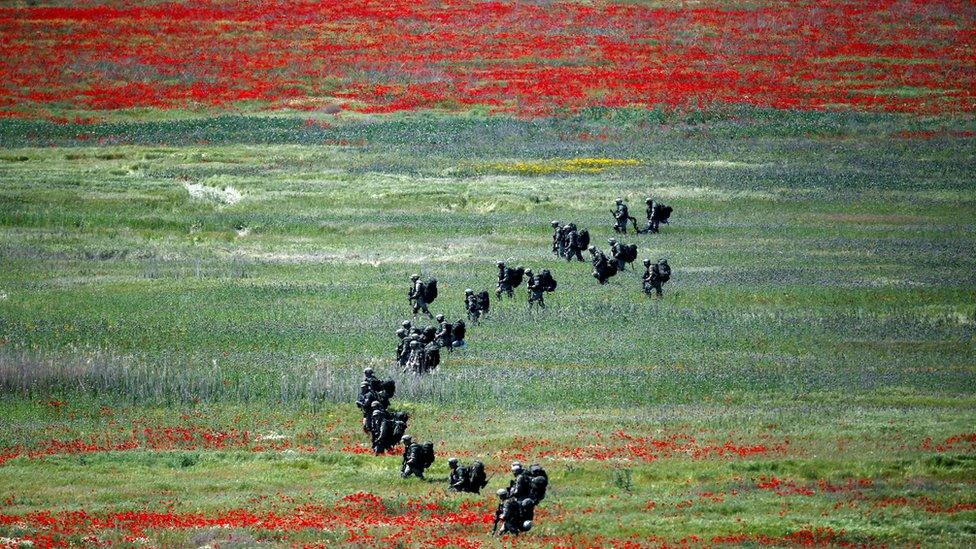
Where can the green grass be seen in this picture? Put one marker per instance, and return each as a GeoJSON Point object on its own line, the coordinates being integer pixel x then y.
{"type": "Point", "coordinates": [823, 292]}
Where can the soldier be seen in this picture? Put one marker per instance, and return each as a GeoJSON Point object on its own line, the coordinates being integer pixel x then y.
{"type": "Point", "coordinates": [432, 357]}
{"type": "Point", "coordinates": [620, 215]}
{"type": "Point", "coordinates": [408, 450]}
{"type": "Point", "coordinates": [647, 279]}
{"type": "Point", "coordinates": [521, 486]}
{"type": "Point", "coordinates": [534, 286]}
{"type": "Point", "coordinates": [404, 355]}
{"type": "Point", "coordinates": [369, 377]}
{"type": "Point", "coordinates": [572, 243]}
{"type": "Point", "coordinates": [401, 342]}
{"type": "Point", "coordinates": [509, 513]}
{"type": "Point", "coordinates": [417, 296]}
{"type": "Point", "coordinates": [472, 305]}
{"type": "Point", "coordinates": [655, 275]}
{"type": "Point", "coordinates": [503, 281]}
{"type": "Point", "coordinates": [376, 423]}
{"type": "Point", "coordinates": [500, 510]}
{"type": "Point", "coordinates": [391, 430]}
{"type": "Point", "coordinates": [615, 249]}
{"type": "Point", "coordinates": [415, 358]}
{"type": "Point", "coordinates": [602, 270]}
{"type": "Point", "coordinates": [457, 480]}
{"type": "Point", "coordinates": [657, 213]}
{"type": "Point", "coordinates": [476, 477]}
{"type": "Point", "coordinates": [445, 336]}
{"type": "Point", "coordinates": [365, 403]}
{"type": "Point", "coordinates": [653, 223]}
{"type": "Point", "coordinates": [418, 459]}
{"type": "Point", "coordinates": [557, 238]}
{"type": "Point", "coordinates": [411, 293]}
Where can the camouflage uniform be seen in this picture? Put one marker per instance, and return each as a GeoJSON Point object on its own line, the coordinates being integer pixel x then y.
{"type": "Point", "coordinates": [417, 297]}
{"type": "Point", "coordinates": [472, 304]}
{"type": "Point", "coordinates": [620, 216]}
{"type": "Point", "coordinates": [653, 225]}
{"type": "Point", "coordinates": [572, 244]}
{"type": "Point", "coordinates": [557, 238]}
{"type": "Point", "coordinates": [503, 282]}
{"type": "Point", "coordinates": [534, 286]}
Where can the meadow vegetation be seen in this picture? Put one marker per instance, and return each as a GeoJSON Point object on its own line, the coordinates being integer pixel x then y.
{"type": "Point", "coordinates": [183, 321]}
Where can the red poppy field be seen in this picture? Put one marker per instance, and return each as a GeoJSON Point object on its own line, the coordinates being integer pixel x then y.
{"type": "Point", "coordinates": [210, 211]}
{"type": "Point", "coordinates": [525, 58]}
{"type": "Point", "coordinates": [730, 487]}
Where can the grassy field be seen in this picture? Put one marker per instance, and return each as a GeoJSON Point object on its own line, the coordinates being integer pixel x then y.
{"type": "Point", "coordinates": [186, 305]}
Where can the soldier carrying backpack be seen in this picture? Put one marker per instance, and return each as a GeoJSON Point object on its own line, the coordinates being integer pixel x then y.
{"type": "Point", "coordinates": [457, 479]}
{"type": "Point", "coordinates": [476, 477]}
{"type": "Point", "coordinates": [417, 459]}
{"type": "Point", "coordinates": [657, 213]}
{"type": "Point", "coordinates": [504, 284]}
{"type": "Point", "coordinates": [421, 294]}
{"type": "Point", "coordinates": [575, 242]}
{"type": "Point", "coordinates": [655, 275]}
{"type": "Point", "coordinates": [603, 268]}
{"type": "Point", "coordinates": [476, 304]}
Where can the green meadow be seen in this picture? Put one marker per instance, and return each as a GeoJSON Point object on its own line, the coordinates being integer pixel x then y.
{"type": "Point", "coordinates": [238, 272]}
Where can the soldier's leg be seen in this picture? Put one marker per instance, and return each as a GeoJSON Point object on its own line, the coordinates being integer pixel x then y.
{"type": "Point", "coordinates": [657, 289]}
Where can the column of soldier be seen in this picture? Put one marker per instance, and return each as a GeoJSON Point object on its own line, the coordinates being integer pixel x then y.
{"type": "Point", "coordinates": [418, 350]}
{"type": "Point", "coordinates": [569, 242]}
{"type": "Point", "coordinates": [516, 506]}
